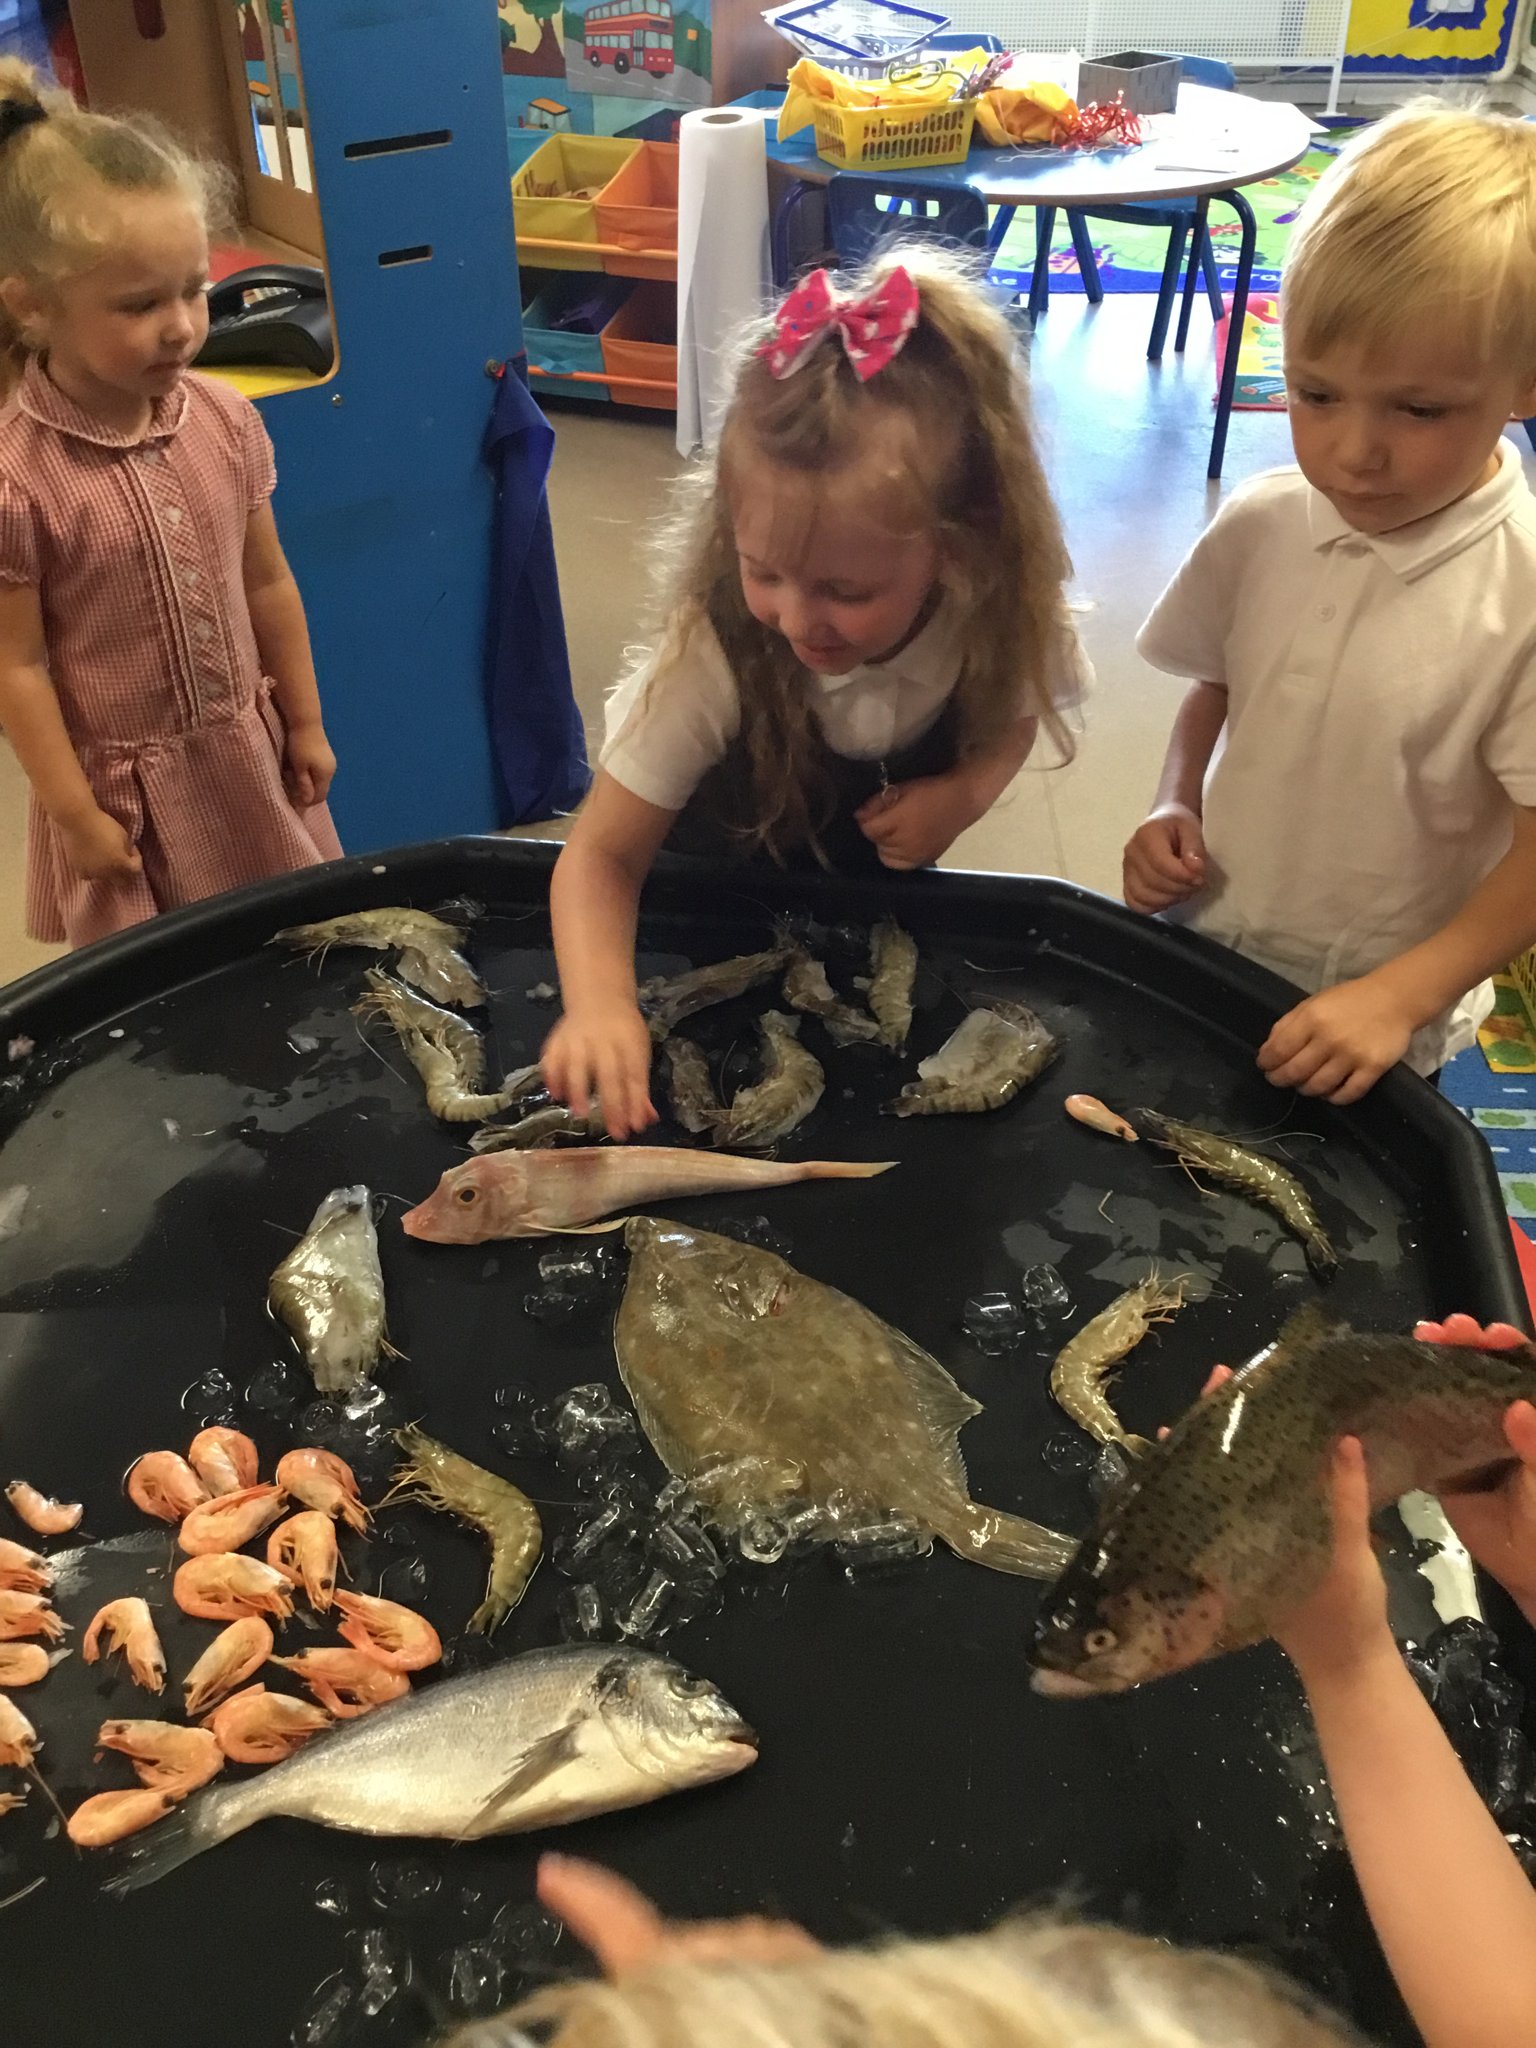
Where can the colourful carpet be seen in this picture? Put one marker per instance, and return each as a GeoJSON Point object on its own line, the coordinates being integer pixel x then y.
{"type": "Point", "coordinates": [1508, 1035]}
{"type": "Point", "coordinates": [1502, 1107]}
{"type": "Point", "coordinates": [1260, 385]}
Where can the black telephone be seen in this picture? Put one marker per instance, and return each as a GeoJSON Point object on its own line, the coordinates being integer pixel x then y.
{"type": "Point", "coordinates": [277, 313]}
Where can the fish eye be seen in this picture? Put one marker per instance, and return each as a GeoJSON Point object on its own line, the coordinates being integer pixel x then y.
{"type": "Point", "coordinates": [1100, 1641]}
{"type": "Point", "coordinates": [691, 1688]}
{"type": "Point", "coordinates": [468, 1196]}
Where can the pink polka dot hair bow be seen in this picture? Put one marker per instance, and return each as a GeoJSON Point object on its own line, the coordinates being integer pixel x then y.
{"type": "Point", "coordinates": [873, 329]}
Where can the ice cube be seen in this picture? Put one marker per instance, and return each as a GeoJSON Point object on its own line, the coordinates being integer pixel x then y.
{"type": "Point", "coordinates": [686, 1551]}
{"type": "Point", "coordinates": [878, 1546]}
{"type": "Point", "coordinates": [998, 1316]}
{"type": "Point", "coordinates": [579, 1613]}
{"type": "Point", "coordinates": [577, 1551]}
{"type": "Point", "coordinates": [405, 1579]}
{"type": "Point", "coordinates": [648, 1615]}
{"type": "Point", "coordinates": [1044, 1290]}
{"type": "Point", "coordinates": [527, 1935]}
{"type": "Point", "coordinates": [476, 1979]}
{"type": "Point", "coordinates": [401, 1888]}
{"type": "Point", "coordinates": [325, 2014]}
{"type": "Point", "coordinates": [274, 1391]}
{"type": "Point", "coordinates": [210, 1400]}
{"type": "Point", "coordinates": [552, 1305]}
{"type": "Point", "coordinates": [330, 1896]}
{"type": "Point", "coordinates": [565, 1267]}
{"type": "Point", "coordinates": [763, 1538]}
{"type": "Point", "coordinates": [1111, 1468]}
{"type": "Point", "coordinates": [382, 1965]}
{"type": "Point", "coordinates": [1067, 1452]}
{"type": "Point", "coordinates": [803, 1525]}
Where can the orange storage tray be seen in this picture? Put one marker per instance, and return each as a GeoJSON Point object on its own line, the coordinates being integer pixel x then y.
{"type": "Point", "coordinates": [637, 214]}
{"type": "Point", "coordinates": [640, 348]}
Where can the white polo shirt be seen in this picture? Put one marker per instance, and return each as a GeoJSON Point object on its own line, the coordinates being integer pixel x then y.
{"type": "Point", "coordinates": [662, 741]}
{"type": "Point", "coordinates": [1381, 723]}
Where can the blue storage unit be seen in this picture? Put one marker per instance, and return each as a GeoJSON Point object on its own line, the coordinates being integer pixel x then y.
{"type": "Point", "coordinates": [566, 358]}
{"type": "Point", "coordinates": [385, 501]}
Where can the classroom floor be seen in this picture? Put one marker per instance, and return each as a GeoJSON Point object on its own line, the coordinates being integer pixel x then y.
{"type": "Point", "coordinates": [1126, 444]}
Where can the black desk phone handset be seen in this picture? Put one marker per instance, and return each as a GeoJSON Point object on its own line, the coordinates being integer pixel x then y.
{"type": "Point", "coordinates": [276, 313]}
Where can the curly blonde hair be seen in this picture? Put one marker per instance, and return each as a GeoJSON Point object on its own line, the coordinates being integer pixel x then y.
{"type": "Point", "coordinates": [940, 442]}
{"type": "Point", "coordinates": [1031, 1983]}
{"type": "Point", "coordinates": [58, 177]}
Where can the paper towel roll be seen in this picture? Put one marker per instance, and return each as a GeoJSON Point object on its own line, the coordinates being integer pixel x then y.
{"type": "Point", "coordinates": [723, 274]}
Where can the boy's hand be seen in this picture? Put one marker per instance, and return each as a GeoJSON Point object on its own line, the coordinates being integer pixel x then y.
{"type": "Point", "coordinates": [1499, 1526]}
{"type": "Point", "coordinates": [602, 1051]}
{"type": "Point", "coordinates": [625, 1932]}
{"type": "Point", "coordinates": [1342, 1624]}
{"type": "Point", "coordinates": [308, 765]}
{"type": "Point", "coordinates": [912, 823]}
{"type": "Point", "coordinates": [1164, 859]}
{"type": "Point", "coordinates": [1341, 1041]}
{"type": "Point", "coordinates": [99, 849]}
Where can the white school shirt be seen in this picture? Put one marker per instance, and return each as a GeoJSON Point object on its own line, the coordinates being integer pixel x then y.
{"type": "Point", "coordinates": [1381, 723]}
{"type": "Point", "coordinates": [661, 742]}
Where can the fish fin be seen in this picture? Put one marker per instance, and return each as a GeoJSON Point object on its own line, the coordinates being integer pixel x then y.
{"type": "Point", "coordinates": [187, 1832]}
{"type": "Point", "coordinates": [1309, 1324]}
{"type": "Point", "coordinates": [1008, 1543]}
{"type": "Point", "coordinates": [847, 1169]}
{"type": "Point", "coordinates": [537, 1761]}
{"type": "Point", "coordinates": [578, 1229]}
{"type": "Point", "coordinates": [946, 1406]}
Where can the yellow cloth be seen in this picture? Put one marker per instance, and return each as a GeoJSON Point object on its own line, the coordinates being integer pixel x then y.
{"type": "Point", "coordinates": [810, 82]}
{"type": "Point", "coordinates": [1009, 115]}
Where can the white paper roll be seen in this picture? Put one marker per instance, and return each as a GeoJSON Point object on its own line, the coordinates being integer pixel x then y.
{"type": "Point", "coordinates": [723, 274]}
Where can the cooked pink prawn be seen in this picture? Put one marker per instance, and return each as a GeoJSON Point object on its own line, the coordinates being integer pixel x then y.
{"type": "Point", "coordinates": [230, 1520]}
{"type": "Point", "coordinates": [396, 1637]}
{"type": "Point", "coordinates": [224, 1459]}
{"type": "Point", "coordinates": [261, 1727]}
{"type": "Point", "coordinates": [165, 1486]}
{"type": "Point", "coordinates": [107, 1816]}
{"type": "Point", "coordinates": [47, 1517]}
{"type": "Point", "coordinates": [166, 1758]}
{"type": "Point", "coordinates": [23, 1570]}
{"type": "Point", "coordinates": [322, 1480]}
{"type": "Point", "coordinates": [345, 1681]}
{"type": "Point", "coordinates": [9, 1801]}
{"type": "Point", "coordinates": [223, 1587]}
{"type": "Point", "coordinates": [304, 1550]}
{"type": "Point", "coordinates": [1088, 1109]}
{"type": "Point", "coordinates": [233, 1655]}
{"type": "Point", "coordinates": [18, 1738]}
{"type": "Point", "coordinates": [23, 1663]}
{"type": "Point", "coordinates": [129, 1627]}
{"type": "Point", "coordinates": [27, 1614]}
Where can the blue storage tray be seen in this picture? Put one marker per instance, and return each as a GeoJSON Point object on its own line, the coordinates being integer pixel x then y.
{"type": "Point", "coordinates": [559, 353]}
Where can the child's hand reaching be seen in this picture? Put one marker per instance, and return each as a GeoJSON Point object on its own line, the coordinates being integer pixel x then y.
{"type": "Point", "coordinates": [912, 823]}
{"type": "Point", "coordinates": [308, 765]}
{"type": "Point", "coordinates": [99, 849]}
{"type": "Point", "coordinates": [1340, 1042]}
{"type": "Point", "coordinates": [602, 1052]}
{"type": "Point", "coordinates": [1498, 1526]}
{"type": "Point", "coordinates": [1164, 859]}
{"type": "Point", "coordinates": [625, 1932]}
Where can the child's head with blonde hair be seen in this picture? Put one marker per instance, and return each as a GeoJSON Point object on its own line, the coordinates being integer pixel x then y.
{"type": "Point", "coordinates": [927, 466]}
{"type": "Point", "coordinates": [1035, 1983]}
{"type": "Point", "coordinates": [1408, 311]}
{"type": "Point", "coordinates": [78, 190]}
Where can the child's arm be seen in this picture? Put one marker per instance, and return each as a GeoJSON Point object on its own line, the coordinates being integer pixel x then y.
{"type": "Point", "coordinates": [912, 823]}
{"type": "Point", "coordinates": [1164, 859]}
{"type": "Point", "coordinates": [601, 1045]}
{"type": "Point", "coordinates": [282, 641]}
{"type": "Point", "coordinates": [624, 1931]}
{"type": "Point", "coordinates": [1340, 1042]}
{"type": "Point", "coordinates": [96, 846]}
{"type": "Point", "coordinates": [1453, 1910]}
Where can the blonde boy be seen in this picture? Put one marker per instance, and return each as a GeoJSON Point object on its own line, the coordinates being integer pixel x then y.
{"type": "Point", "coordinates": [1349, 795]}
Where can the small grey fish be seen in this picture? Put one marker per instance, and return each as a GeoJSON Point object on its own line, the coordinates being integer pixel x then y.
{"type": "Point", "coordinates": [892, 971]}
{"type": "Point", "coordinates": [997, 1051]}
{"type": "Point", "coordinates": [789, 1090]}
{"type": "Point", "coordinates": [427, 946]}
{"type": "Point", "coordinates": [329, 1292]}
{"type": "Point", "coordinates": [548, 1126]}
{"type": "Point", "coordinates": [1220, 1529]}
{"type": "Point", "coordinates": [1251, 1174]}
{"type": "Point", "coordinates": [806, 988]}
{"type": "Point", "coordinates": [666, 1000]}
{"type": "Point", "coordinates": [690, 1091]}
{"type": "Point", "coordinates": [535, 1741]}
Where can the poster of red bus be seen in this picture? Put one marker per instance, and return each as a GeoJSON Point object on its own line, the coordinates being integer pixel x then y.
{"type": "Point", "coordinates": [630, 35]}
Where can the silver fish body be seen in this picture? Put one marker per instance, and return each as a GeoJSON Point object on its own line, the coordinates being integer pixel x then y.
{"type": "Point", "coordinates": [329, 1292]}
{"type": "Point", "coordinates": [535, 1741]}
{"type": "Point", "coordinates": [997, 1051]}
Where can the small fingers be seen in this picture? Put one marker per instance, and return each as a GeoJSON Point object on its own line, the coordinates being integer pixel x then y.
{"type": "Point", "coordinates": [605, 1912]}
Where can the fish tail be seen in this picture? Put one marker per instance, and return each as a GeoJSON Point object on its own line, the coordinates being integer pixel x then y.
{"type": "Point", "coordinates": [183, 1834]}
{"type": "Point", "coordinates": [845, 1169]}
{"type": "Point", "coordinates": [1008, 1543]}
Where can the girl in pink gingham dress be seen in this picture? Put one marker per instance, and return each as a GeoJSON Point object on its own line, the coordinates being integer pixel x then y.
{"type": "Point", "coordinates": [155, 673]}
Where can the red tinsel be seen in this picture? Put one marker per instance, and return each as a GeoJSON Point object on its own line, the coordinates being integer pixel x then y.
{"type": "Point", "coordinates": [1104, 123]}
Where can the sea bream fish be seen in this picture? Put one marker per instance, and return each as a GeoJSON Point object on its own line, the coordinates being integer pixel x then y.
{"type": "Point", "coordinates": [532, 1194]}
{"type": "Point", "coordinates": [329, 1291]}
{"type": "Point", "coordinates": [758, 1385]}
{"type": "Point", "coordinates": [535, 1741]}
{"type": "Point", "coordinates": [1222, 1528]}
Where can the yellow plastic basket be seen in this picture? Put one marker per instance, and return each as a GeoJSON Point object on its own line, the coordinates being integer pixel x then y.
{"type": "Point", "coordinates": [1522, 971]}
{"type": "Point", "coordinates": [894, 138]}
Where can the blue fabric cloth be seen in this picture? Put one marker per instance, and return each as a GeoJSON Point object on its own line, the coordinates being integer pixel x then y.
{"type": "Point", "coordinates": [536, 729]}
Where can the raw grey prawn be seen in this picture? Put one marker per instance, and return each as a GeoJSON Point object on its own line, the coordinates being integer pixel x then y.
{"type": "Point", "coordinates": [690, 1091]}
{"type": "Point", "coordinates": [551, 1125]}
{"type": "Point", "coordinates": [1083, 1364]}
{"type": "Point", "coordinates": [128, 1626]}
{"type": "Point", "coordinates": [428, 948]}
{"type": "Point", "coordinates": [997, 1051]}
{"type": "Point", "coordinates": [665, 1000]}
{"type": "Point", "coordinates": [892, 971]}
{"type": "Point", "coordinates": [446, 1051]}
{"type": "Point", "coordinates": [790, 1089]}
{"type": "Point", "coordinates": [442, 1479]}
{"type": "Point", "coordinates": [807, 989]}
{"type": "Point", "coordinates": [1251, 1174]}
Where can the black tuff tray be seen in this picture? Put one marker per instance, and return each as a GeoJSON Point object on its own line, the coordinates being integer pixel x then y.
{"type": "Point", "coordinates": [173, 1139]}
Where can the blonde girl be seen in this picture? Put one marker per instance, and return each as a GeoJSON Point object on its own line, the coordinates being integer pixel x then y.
{"type": "Point", "coordinates": [155, 673]}
{"type": "Point", "coordinates": [865, 630]}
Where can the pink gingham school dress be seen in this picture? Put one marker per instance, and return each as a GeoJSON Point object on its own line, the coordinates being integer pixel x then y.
{"type": "Point", "coordinates": [135, 545]}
